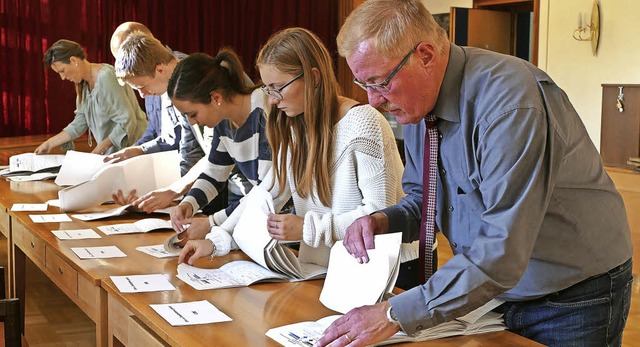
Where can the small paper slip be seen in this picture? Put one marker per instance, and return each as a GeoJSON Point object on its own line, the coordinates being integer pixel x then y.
{"type": "Point", "coordinates": [78, 234]}
{"type": "Point", "coordinates": [190, 313]}
{"type": "Point", "coordinates": [49, 218]}
{"type": "Point", "coordinates": [142, 283]}
{"type": "Point", "coordinates": [98, 252]}
{"type": "Point", "coordinates": [118, 211]}
{"type": "Point", "coordinates": [29, 207]}
{"type": "Point", "coordinates": [157, 251]}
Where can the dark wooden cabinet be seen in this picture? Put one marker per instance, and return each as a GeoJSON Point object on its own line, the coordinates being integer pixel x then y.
{"type": "Point", "coordinates": [620, 134]}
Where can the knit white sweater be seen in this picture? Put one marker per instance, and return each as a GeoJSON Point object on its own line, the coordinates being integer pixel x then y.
{"type": "Point", "coordinates": [366, 176]}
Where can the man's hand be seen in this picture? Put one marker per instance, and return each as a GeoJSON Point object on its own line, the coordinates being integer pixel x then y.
{"type": "Point", "coordinates": [359, 235]}
{"type": "Point", "coordinates": [155, 200]}
{"type": "Point", "coordinates": [197, 230]}
{"type": "Point", "coordinates": [362, 326]}
{"type": "Point", "coordinates": [286, 226]}
{"type": "Point", "coordinates": [124, 154]}
{"type": "Point", "coordinates": [181, 216]}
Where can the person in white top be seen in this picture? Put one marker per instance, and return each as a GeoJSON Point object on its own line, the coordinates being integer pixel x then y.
{"type": "Point", "coordinates": [336, 158]}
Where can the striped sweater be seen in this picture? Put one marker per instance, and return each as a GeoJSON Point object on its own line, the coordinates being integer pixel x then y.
{"type": "Point", "coordinates": [246, 148]}
{"type": "Point", "coordinates": [366, 176]}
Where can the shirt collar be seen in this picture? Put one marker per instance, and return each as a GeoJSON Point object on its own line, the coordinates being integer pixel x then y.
{"type": "Point", "coordinates": [448, 104]}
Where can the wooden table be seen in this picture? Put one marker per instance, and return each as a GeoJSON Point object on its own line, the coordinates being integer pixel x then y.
{"type": "Point", "coordinates": [128, 319]}
{"type": "Point", "coordinates": [254, 310]}
{"type": "Point", "coordinates": [26, 144]}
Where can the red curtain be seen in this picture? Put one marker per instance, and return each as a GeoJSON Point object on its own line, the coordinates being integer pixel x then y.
{"type": "Point", "coordinates": [35, 101]}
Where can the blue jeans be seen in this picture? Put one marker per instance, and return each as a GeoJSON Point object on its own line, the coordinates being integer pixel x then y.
{"type": "Point", "coordinates": [590, 313]}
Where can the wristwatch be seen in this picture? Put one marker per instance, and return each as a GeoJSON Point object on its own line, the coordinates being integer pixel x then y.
{"type": "Point", "coordinates": [391, 316]}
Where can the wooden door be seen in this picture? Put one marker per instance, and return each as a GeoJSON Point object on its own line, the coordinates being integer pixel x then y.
{"type": "Point", "coordinates": [485, 29]}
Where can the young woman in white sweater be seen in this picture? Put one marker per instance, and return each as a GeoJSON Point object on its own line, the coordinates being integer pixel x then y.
{"type": "Point", "coordinates": [336, 158]}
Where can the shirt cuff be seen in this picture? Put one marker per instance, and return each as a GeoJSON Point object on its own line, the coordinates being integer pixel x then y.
{"type": "Point", "coordinates": [222, 240]}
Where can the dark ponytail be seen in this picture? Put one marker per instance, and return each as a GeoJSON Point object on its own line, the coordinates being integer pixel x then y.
{"type": "Point", "coordinates": [199, 74]}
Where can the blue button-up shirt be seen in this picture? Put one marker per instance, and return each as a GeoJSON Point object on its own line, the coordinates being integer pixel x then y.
{"type": "Point", "coordinates": [523, 197]}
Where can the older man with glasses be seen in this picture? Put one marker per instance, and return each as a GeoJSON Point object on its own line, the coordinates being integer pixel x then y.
{"type": "Point", "coordinates": [499, 161]}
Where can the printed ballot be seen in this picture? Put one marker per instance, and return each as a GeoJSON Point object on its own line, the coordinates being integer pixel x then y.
{"type": "Point", "coordinates": [142, 226]}
{"type": "Point", "coordinates": [481, 320]}
{"type": "Point", "coordinates": [98, 252]}
{"type": "Point", "coordinates": [78, 234]}
{"type": "Point", "coordinates": [142, 283]}
{"type": "Point", "coordinates": [28, 163]}
{"type": "Point", "coordinates": [273, 260]}
{"type": "Point", "coordinates": [190, 313]}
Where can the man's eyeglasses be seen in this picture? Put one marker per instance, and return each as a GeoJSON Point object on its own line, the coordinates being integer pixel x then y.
{"type": "Point", "coordinates": [381, 87]}
{"type": "Point", "coordinates": [276, 93]}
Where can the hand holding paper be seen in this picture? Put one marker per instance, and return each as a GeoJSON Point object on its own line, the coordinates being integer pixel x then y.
{"type": "Point", "coordinates": [350, 284]}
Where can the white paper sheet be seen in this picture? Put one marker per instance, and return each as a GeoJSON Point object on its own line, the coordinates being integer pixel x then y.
{"type": "Point", "coordinates": [251, 233]}
{"type": "Point", "coordinates": [350, 284]}
{"type": "Point", "coordinates": [98, 252]}
{"type": "Point", "coordinates": [157, 251]}
{"type": "Point", "coordinates": [141, 226]}
{"type": "Point", "coordinates": [190, 313]}
{"type": "Point", "coordinates": [79, 167]}
{"type": "Point", "coordinates": [143, 173]}
{"type": "Point", "coordinates": [142, 283]}
{"type": "Point", "coordinates": [49, 218]}
{"type": "Point", "coordinates": [118, 211]}
{"type": "Point", "coordinates": [78, 234]}
{"type": "Point", "coordinates": [29, 207]}
{"type": "Point", "coordinates": [34, 162]}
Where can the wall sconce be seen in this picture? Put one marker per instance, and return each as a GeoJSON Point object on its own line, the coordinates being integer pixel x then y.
{"type": "Point", "coordinates": [590, 31]}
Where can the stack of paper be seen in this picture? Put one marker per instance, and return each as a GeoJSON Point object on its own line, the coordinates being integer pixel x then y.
{"type": "Point", "coordinates": [43, 166]}
{"type": "Point", "coordinates": [253, 238]}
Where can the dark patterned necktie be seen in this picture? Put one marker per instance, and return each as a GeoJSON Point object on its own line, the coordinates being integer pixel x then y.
{"type": "Point", "coordinates": [429, 185]}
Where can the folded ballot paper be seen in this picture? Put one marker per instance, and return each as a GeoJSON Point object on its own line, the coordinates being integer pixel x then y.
{"type": "Point", "coordinates": [254, 240]}
{"type": "Point", "coordinates": [143, 173]}
{"type": "Point", "coordinates": [29, 163]}
{"type": "Point", "coordinates": [350, 284]}
{"type": "Point", "coordinates": [273, 261]}
{"type": "Point", "coordinates": [479, 321]}
{"type": "Point", "coordinates": [116, 211]}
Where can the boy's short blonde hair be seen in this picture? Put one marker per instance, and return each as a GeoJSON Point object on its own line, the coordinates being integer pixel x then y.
{"type": "Point", "coordinates": [139, 55]}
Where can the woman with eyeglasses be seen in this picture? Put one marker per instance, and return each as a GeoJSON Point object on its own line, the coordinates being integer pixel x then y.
{"type": "Point", "coordinates": [336, 158]}
{"type": "Point", "coordinates": [108, 111]}
{"type": "Point", "coordinates": [212, 92]}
